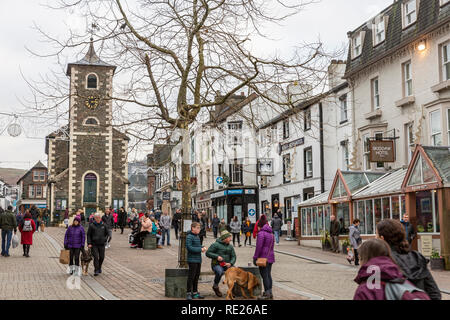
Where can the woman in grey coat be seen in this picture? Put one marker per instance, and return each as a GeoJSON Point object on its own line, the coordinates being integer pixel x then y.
{"type": "Point", "coordinates": [235, 226]}
{"type": "Point", "coordinates": [355, 240]}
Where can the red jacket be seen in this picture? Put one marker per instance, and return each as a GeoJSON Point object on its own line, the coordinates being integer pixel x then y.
{"type": "Point", "coordinates": [27, 236]}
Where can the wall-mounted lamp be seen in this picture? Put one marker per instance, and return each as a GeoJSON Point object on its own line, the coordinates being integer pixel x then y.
{"type": "Point", "coordinates": [422, 45]}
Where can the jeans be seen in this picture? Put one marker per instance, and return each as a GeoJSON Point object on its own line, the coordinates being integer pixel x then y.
{"type": "Point", "coordinates": [356, 257]}
{"type": "Point", "coordinates": [215, 230]}
{"type": "Point", "coordinates": [164, 232]}
{"type": "Point", "coordinates": [266, 274]}
{"type": "Point", "coordinates": [98, 252]}
{"type": "Point", "coordinates": [6, 241]}
{"type": "Point", "coordinates": [238, 236]}
{"type": "Point", "coordinates": [218, 271]}
{"type": "Point", "coordinates": [249, 238]}
{"type": "Point", "coordinates": [335, 243]}
{"type": "Point", "coordinates": [194, 274]}
{"type": "Point", "coordinates": [277, 236]}
{"type": "Point", "coordinates": [75, 256]}
{"type": "Point", "coordinates": [176, 230]}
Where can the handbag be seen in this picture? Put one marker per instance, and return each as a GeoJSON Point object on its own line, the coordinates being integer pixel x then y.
{"type": "Point", "coordinates": [64, 256]}
{"type": "Point", "coordinates": [261, 262]}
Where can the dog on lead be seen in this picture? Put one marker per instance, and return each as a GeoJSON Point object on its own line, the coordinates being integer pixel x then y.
{"type": "Point", "coordinates": [243, 279]}
{"type": "Point", "coordinates": [86, 258]}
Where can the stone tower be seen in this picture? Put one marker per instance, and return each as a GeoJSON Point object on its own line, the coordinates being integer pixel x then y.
{"type": "Point", "coordinates": [88, 157]}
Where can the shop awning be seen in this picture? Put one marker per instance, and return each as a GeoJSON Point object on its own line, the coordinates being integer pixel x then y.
{"type": "Point", "coordinates": [390, 183]}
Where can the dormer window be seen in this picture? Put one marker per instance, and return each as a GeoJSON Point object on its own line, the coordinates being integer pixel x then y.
{"type": "Point", "coordinates": [357, 45]}
{"type": "Point", "coordinates": [92, 81]}
{"type": "Point", "coordinates": [379, 31]}
{"type": "Point", "coordinates": [409, 13]}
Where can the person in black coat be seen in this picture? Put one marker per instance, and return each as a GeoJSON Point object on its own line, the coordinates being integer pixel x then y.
{"type": "Point", "coordinates": [176, 221]}
{"type": "Point", "coordinates": [97, 236]}
{"type": "Point", "coordinates": [122, 219]}
{"type": "Point", "coordinates": [412, 263]}
{"type": "Point", "coordinates": [215, 225]}
{"type": "Point", "coordinates": [108, 220]}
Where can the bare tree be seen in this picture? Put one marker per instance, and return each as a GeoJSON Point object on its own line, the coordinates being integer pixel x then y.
{"type": "Point", "coordinates": [183, 58]}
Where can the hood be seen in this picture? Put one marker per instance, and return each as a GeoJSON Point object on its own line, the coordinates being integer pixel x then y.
{"type": "Point", "coordinates": [389, 270]}
{"type": "Point", "coordinates": [266, 228]}
{"type": "Point", "coordinates": [413, 264]}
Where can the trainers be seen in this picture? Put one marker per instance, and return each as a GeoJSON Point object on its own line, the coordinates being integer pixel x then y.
{"type": "Point", "coordinates": [217, 291]}
{"type": "Point", "coordinates": [189, 296]}
{"type": "Point", "coordinates": [198, 296]}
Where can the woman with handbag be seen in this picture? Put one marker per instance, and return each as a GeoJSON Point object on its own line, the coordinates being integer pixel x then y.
{"type": "Point", "coordinates": [264, 256]}
{"type": "Point", "coordinates": [74, 241]}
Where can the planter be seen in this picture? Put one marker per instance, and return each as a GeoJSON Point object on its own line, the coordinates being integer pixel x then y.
{"type": "Point", "coordinates": [437, 264]}
{"type": "Point", "coordinates": [344, 249]}
{"type": "Point", "coordinates": [326, 246]}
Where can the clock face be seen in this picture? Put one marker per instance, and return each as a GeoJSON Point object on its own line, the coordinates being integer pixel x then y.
{"type": "Point", "coordinates": [92, 102]}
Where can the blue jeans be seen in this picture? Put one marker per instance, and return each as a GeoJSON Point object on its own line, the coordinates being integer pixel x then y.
{"type": "Point", "coordinates": [218, 271]}
{"type": "Point", "coordinates": [277, 236]}
{"type": "Point", "coordinates": [6, 241]}
{"type": "Point", "coordinates": [266, 274]}
{"type": "Point", "coordinates": [164, 232]}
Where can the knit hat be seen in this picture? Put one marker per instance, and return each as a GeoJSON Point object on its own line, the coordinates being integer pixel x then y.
{"type": "Point", "coordinates": [225, 234]}
{"type": "Point", "coordinates": [262, 221]}
{"type": "Point", "coordinates": [77, 218]}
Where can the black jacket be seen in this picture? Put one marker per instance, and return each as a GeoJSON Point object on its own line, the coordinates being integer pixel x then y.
{"type": "Point", "coordinates": [34, 213]}
{"type": "Point", "coordinates": [122, 218]}
{"type": "Point", "coordinates": [335, 227]}
{"type": "Point", "coordinates": [215, 222]}
{"type": "Point", "coordinates": [410, 231]}
{"type": "Point", "coordinates": [108, 220]}
{"type": "Point", "coordinates": [176, 219]}
{"type": "Point", "coordinates": [414, 267]}
{"type": "Point", "coordinates": [97, 234]}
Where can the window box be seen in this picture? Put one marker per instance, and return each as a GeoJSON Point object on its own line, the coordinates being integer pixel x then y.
{"type": "Point", "coordinates": [405, 101]}
{"type": "Point", "coordinates": [443, 86]}
{"type": "Point", "coordinates": [373, 115]}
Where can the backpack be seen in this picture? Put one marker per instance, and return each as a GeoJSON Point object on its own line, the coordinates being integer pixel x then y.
{"type": "Point", "coordinates": [27, 226]}
{"type": "Point", "coordinates": [404, 291]}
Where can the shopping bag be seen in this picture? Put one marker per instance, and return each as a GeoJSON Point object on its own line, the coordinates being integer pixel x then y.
{"type": "Point", "coordinates": [350, 255]}
{"type": "Point", "coordinates": [15, 241]}
{"type": "Point", "coordinates": [42, 227]}
{"type": "Point", "coordinates": [64, 256]}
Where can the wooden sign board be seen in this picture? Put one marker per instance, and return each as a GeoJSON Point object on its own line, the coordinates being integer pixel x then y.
{"type": "Point", "coordinates": [427, 245]}
{"type": "Point", "coordinates": [381, 151]}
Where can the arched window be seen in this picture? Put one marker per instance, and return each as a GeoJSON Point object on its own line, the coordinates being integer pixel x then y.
{"type": "Point", "coordinates": [90, 188]}
{"type": "Point", "coordinates": [92, 81]}
{"type": "Point", "coordinates": [91, 122]}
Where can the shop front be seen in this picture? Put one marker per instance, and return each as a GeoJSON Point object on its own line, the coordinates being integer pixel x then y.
{"type": "Point", "coordinates": [228, 203]}
{"type": "Point", "coordinates": [427, 189]}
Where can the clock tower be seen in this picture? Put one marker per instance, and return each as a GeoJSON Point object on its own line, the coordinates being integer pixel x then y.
{"type": "Point", "coordinates": [88, 157]}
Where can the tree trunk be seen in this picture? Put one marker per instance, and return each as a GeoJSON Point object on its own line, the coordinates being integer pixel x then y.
{"type": "Point", "coordinates": [186, 195]}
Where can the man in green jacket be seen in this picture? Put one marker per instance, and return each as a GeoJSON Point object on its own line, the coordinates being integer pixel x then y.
{"type": "Point", "coordinates": [7, 224]}
{"type": "Point", "coordinates": [223, 257]}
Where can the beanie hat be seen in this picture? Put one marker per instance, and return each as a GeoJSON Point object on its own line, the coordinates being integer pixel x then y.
{"type": "Point", "coordinates": [77, 218]}
{"type": "Point", "coordinates": [225, 234]}
{"type": "Point", "coordinates": [262, 221]}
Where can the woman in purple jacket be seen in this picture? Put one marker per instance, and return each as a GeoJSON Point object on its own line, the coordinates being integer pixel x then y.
{"type": "Point", "coordinates": [74, 241]}
{"type": "Point", "coordinates": [264, 249]}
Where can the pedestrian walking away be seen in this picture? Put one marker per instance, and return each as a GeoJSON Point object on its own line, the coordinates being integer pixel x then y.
{"type": "Point", "coordinates": [412, 263]}
{"type": "Point", "coordinates": [247, 228]}
{"type": "Point", "coordinates": [165, 224]}
{"type": "Point", "coordinates": [194, 258]}
{"type": "Point", "coordinates": [335, 227]}
{"type": "Point", "coordinates": [176, 222]}
{"type": "Point", "coordinates": [355, 241]}
{"type": "Point", "coordinates": [122, 219]}
{"type": "Point", "coordinates": [222, 226]}
{"type": "Point", "coordinates": [35, 215]}
{"type": "Point", "coordinates": [66, 218]}
{"type": "Point", "coordinates": [235, 226]}
{"type": "Point", "coordinates": [108, 221]}
{"type": "Point", "coordinates": [393, 285]}
{"type": "Point", "coordinates": [276, 224]}
{"type": "Point", "coordinates": [74, 241]}
{"type": "Point", "coordinates": [222, 256]}
{"type": "Point", "coordinates": [96, 239]}
{"type": "Point", "coordinates": [215, 225]}
{"type": "Point", "coordinates": [264, 256]}
{"type": "Point", "coordinates": [27, 229]}
{"type": "Point", "coordinates": [8, 224]}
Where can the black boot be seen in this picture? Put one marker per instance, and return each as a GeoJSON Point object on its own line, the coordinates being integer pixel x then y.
{"type": "Point", "coordinates": [28, 251]}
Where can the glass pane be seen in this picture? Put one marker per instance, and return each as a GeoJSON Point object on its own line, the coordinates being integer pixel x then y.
{"type": "Point", "coordinates": [416, 177]}
{"type": "Point", "coordinates": [343, 216]}
{"type": "Point", "coordinates": [403, 198]}
{"type": "Point", "coordinates": [327, 215]}
{"type": "Point", "coordinates": [315, 221]}
{"type": "Point", "coordinates": [428, 174]}
{"type": "Point", "coordinates": [361, 216]}
{"type": "Point", "coordinates": [339, 190]}
{"type": "Point", "coordinates": [369, 217]}
{"type": "Point", "coordinates": [386, 208]}
{"type": "Point", "coordinates": [308, 222]}
{"type": "Point", "coordinates": [424, 212]}
{"type": "Point", "coordinates": [395, 208]}
{"type": "Point", "coordinates": [377, 210]}
{"type": "Point", "coordinates": [303, 222]}
{"type": "Point", "coordinates": [436, 215]}
{"type": "Point", "coordinates": [320, 218]}
{"type": "Point", "coordinates": [435, 118]}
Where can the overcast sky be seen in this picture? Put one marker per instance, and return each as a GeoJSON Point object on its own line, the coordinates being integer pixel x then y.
{"type": "Point", "coordinates": [328, 19]}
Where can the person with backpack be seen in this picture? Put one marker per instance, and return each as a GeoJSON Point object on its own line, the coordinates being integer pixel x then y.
{"type": "Point", "coordinates": [380, 278]}
{"type": "Point", "coordinates": [412, 263]}
{"type": "Point", "coordinates": [8, 224]}
{"type": "Point", "coordinates": [27, 228]}
{"type": "Point", "coordinates": [74, 240]}
{"type": "Point", "coordinates": [276, 225]}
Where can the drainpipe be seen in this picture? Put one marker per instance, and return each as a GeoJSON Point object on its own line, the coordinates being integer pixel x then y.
{"type": "Point", "coordinates": [322, 165]}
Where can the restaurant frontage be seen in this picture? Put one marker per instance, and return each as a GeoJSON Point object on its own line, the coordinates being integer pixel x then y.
{"type": "Point", "coordinates": [422, 190]}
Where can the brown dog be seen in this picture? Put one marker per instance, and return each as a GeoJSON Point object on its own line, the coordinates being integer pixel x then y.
{"type": "Point", "coordinates": [86, 258]}
{"type": "Point", "coordinates": [243, 278]}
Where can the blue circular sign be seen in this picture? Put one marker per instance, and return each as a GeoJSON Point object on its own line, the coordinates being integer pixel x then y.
{"type": "Point", "coordinates": [251, 212]}
{"type": "Point", "coordinates": [219, 180]}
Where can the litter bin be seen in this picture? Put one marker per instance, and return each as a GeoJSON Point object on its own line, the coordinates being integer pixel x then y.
{"type": "Point", "coordinates": [176, 283]}
{"type": "Point", "coordinates": [150, 242]}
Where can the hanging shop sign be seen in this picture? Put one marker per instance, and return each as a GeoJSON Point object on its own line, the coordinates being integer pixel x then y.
{"type": "Point", "coordinates": [290, 145]}
{"type": "Point", "coordinates": [166, 196]}
{"type": "Point", "coordinates": [381, 151]}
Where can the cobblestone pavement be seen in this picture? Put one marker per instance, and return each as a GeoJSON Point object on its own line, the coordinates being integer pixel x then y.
{"type": "Point", "coordinates": [40, 277]}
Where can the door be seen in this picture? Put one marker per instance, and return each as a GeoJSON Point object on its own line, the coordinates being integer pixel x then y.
{"type": "Point", "coordinates": [90, 188]}
{"type": "Point", "coordinates": [237, 211]}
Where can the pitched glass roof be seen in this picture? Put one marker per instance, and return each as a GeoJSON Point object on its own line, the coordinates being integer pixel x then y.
{"type": "Point", "coordinates": [317, 200]}
{"type": "Point", "coordinates": [440, 156]}
{"type": "Point", "coordinates": [388, 184]}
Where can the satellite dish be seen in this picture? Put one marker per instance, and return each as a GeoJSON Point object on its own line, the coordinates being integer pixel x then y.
{"type": "Point", "coordinates": [14, 130]}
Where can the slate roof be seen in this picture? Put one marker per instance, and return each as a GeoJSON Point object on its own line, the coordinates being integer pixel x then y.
{"type": "Point", "coordinates": [430, 16]}
{"type": "Point", "coordinates": [38, 165]}
{"type": "Point", "coordinates": [90, 59]}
